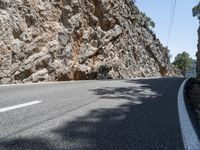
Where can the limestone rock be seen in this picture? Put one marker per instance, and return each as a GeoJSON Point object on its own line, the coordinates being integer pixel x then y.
{"type": "Point", "coordinates": [40, 75]}
{"type": "Point", "coordinates": [198, 55]}
{"type": "Point", "coordinates": [56, 40]}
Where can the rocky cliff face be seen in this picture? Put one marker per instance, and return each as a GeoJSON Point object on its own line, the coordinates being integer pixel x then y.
{"type": "Point", "coordinates": [198, 56]}
{"type": "Point", "coordinates": [56, 40]}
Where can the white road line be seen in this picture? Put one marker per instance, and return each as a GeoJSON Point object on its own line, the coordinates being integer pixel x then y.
{"type": "Point", "coordinates": [190, 138]}
{"type": "Point", "coordinates": [19, 106]}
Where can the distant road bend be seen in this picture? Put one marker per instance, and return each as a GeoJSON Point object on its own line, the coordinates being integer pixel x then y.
{"type": "Point", "coordinates": [91, 115]}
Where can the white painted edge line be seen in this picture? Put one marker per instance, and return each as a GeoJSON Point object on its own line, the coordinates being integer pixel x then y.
{"type": "Point", "coordinates": [19, 106]}
{"type": "Point", "coordinates": [190, 138]}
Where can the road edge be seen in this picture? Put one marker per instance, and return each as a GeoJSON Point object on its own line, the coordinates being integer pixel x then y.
{"type": "Point", "coordinates": [72, 81]}
{"type": "Point", "coordinates": [189, 136]}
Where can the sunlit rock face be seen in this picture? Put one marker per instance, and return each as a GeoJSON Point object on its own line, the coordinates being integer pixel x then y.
{"type": "Point", "coordinates": [57, 40]}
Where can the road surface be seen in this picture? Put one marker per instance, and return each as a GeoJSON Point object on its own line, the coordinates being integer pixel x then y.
{"type": "Point", "coordinates": [91, 115]}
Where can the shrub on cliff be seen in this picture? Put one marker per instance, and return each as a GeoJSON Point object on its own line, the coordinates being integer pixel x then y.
{"type": "Point", "coordinates": [148, 20]}
{"type": "Point", "coordinates": [196, 11]}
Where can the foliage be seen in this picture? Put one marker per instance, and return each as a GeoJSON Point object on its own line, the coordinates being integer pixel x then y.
{"type": "Point", "coordinates": [148, 20]}
{"type": "Point", "coordinates": [168, 52]}
{"type": "Point", "coordinates": [183, 62]}
{"type": "Point", "coordinates": [196, 11]}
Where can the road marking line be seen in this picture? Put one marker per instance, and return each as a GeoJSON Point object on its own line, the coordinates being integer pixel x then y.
{"type": "Point", "coordinates": [190, 138]}
{"type": "Point", "coordinates": [19, 106]}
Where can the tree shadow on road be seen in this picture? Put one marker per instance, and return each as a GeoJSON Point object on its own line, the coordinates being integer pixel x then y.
{"type": "Point", "coordinates": [148, 120]}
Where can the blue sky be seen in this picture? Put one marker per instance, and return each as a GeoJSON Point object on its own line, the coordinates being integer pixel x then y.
{"type": "Point", "coordinates": [184, 31]}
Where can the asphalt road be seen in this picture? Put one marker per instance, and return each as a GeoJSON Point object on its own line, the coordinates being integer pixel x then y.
{"type": "Point", "coordinates": [91, 115]}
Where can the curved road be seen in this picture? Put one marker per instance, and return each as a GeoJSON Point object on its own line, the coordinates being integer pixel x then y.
{"type": "Point", "coordinates": [91, 115]}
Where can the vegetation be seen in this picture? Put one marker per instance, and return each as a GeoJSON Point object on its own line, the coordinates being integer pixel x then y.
{"type": "Point", "coordinates": [148, 20]}
{"type": "Point", "coordinates": [196, 11]}
{"type": "Point", "coordinates": [168, 52]}
{"type": "Point", "coordinates": [183, 62]}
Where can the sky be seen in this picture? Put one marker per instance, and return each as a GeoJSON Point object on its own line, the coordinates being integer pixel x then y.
{"type": "Point", "coordinates": [184, 30]}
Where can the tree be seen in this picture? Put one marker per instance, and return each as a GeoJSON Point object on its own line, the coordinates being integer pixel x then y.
{"type": "Point", "coordinates": [183, 62]}
{"type": "Point", "coordinates": [148, 20]}
{"type": "Point", "coordinates": [196, 11]}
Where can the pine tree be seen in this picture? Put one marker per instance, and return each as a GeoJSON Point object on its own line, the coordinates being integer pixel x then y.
{"type": "Point", "coordinates": [183, 62]}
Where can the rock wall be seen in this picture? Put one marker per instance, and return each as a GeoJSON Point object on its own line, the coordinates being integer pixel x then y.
{"type": "Point", "coordinates": [57, 40]}
{"type": "Point", "coordinates": [198, 56]}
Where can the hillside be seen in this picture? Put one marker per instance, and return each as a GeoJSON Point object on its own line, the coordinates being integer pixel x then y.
{"type": "Point", "coordinates": [57, 40]}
